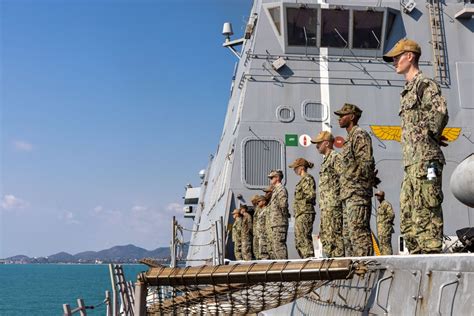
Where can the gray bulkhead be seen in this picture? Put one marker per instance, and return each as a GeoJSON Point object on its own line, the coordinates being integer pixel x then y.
{"type": "Point", "coordinates": [266, 105]}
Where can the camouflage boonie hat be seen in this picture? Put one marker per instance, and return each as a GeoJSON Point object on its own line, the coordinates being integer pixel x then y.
{"type": "Point", "coordinates": [253, 200]}
{"type": "Point", "coordinates": [301, 162]}
{"type": "Point", "coordinates": [275, 173]}
{"type": "Point", "coordinates": [348, 108]}
{"type": "Point", "coordinates": [402, 46]}
{"type": "Point", "coordinates": [321, 137]}
{"type": "Point", "coordinates": [260, 198]}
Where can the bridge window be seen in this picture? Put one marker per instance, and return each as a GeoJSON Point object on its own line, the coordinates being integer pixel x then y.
{"type": "Point", "coordinates": [301, 26]}
{"type": "Point", "coordinates": [334, 28]}
{"type": "Point", "coordinates": [367, 29]}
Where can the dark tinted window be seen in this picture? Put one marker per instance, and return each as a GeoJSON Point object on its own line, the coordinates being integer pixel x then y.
{"type": "Point", "coordinates": [332, 23]}
{"type": "Point", "coordinates": [301, 26]}
{"type": "Point", "coordinates": [367, 29]}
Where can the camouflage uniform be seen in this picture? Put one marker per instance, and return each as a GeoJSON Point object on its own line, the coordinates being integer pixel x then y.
{"type": "Point", "coordinates": [423, 115]}
{"type": "Point", "coordinates": [330, 231]}
{"type": "Point", "coordinates": [247, 236]}
{"type": "Point", "coordinates": [237, 238]}
{"type": "Point", "coordinates": [303, 205]}
{"type": "Point", "coordinates": [262, 240]}
{"type": "Point", "coordinates": [385, 217]}
{"type": "Point", "coordinates": [256, 232]}
{"type": "Point", "coordinates": [278, 219]}
{"type": "Point", "coordinates": [357, 179]}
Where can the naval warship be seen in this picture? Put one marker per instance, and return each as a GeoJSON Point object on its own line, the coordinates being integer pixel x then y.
{"type": "Point", "coordinates": [296, 63]}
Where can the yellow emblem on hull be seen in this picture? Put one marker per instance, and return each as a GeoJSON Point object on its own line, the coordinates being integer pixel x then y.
{"type": "Point", "coordinates": [394, 132]}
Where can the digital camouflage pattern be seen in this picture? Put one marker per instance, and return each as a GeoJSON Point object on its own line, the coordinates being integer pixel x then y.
{"type": "Point", "coordinates": [303, 205]}
{"type": "Point", "coordinates": [237, 238]}
{"type": "Point", "coordinates": [331, 232]}
{"type": "Point", "coordinates": [256, 232]}
{"type": "Point", "coordinates": [358, 165]}
{"type": "Point", "coordinates": [385, 218]}
{"type": "Point", "coordinates": [247, 238]}
{"type": "Point", "coordinates": [262, 232]}
{"type": "Point", "coordinates": [357, 179]}
{"type": "Point", "coordinates": [424, 115]}
{"type": "Point", "coordinates": [278, 218]}
{"type": "Point", "coordinates": [421, 215]}
{"type": "Point", "coordinates": [357, 220]}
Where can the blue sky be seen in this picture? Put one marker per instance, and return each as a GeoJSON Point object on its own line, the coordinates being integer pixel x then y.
{"type": "Point", "coordinates": [108, 108]}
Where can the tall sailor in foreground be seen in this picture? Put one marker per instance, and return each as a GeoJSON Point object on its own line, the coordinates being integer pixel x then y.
{"type": "Point", "coordinates": [330, 232]}
{"type": "Point", "coordinates": [278, 216]}
{"type": "Point", "coordinates": [303, 207]}
{"type": "Point", "coordinates": [357, 179]}
{"type": "Point", "coordinates": [424, 115]}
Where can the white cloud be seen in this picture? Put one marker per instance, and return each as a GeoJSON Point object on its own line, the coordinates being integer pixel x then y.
{"type": "Point", "coordinates": [10, 202]}
{"type": "Point", "coordinates": [175, 207]}
{"type": "Point", "coordinates": [21, 145]}
{"type": "Point", "coordinates": [69, 218]}
{"type": "Point", "coordinates": [98, 209]}
{"type": "Point", "coordinates": [139, 208]}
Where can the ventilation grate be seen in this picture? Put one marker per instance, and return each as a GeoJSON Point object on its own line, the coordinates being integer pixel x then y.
{"type": "Point", "coordinates": [285, 114]}
{"type": "Point", "coordinates": [313, 111]}
{"type": "Point", "coordinates": [260, 157]}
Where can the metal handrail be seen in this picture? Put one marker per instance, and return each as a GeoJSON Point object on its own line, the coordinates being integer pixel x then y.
{"type": "Point", "coordinates": [377, 291]}
{"type": "Point", "coordinates": [441, 288]}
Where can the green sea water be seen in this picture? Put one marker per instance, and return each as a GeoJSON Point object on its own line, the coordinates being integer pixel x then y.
{"type": "Point", "coordinates": [42, 289]}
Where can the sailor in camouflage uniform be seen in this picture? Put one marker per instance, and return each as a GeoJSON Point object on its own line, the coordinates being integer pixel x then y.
{"type": "Point", "coordinates": [357, 179]}
{"type": "Point", "coordinates": [303, 207]}
{"type": "Point", "coordinates": [268, 227]}
{"type": "Point", "coordinates": [246, 233]}
{"type": "Point", "coordinates": [255, 229]}
{"type": "Point", "coordinates": [385, 217]}
{"type": "Point", "coordinates": [330, 231]}
{"type": "Point", "coordinates": [237, 234]}
{"type": "Point", "coordinates": [278, 216]}
{"type": "Point", "coordinates": [262, 240]}
{"type": "Point", "coordinates": [424, 115]}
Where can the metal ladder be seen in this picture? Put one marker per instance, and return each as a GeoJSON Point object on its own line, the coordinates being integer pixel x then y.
{"type": "Point", "coordinates": [438, 42]}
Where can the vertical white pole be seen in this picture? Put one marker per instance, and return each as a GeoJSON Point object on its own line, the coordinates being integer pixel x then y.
{"type": "Point", "coordinates": [82, 306]}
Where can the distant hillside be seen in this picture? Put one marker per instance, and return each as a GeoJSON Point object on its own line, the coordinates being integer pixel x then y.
{"type": "Point", "coordinates": [118, 254]}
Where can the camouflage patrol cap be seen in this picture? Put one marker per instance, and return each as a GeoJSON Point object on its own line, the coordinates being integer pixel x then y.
{"type": "Point", "coordinates": [276, 173]}
{"type": "Point", "coordinates": [380, 193]}
{"type": "Point", "coordinates": [301, 162]}
{"type": "Point", "coordinates": [260, 198]}
{"type": "Point", "coordinates": [322, 136]}
{"type": "Point", "coordinates": [402, 46]}
{"type": "Point", "coordinates": [253, 200]}
{"type": "Point", "coordinates": [348, 108]}
{"type": "Point", "coordinates": [236, 211]}
{"type": "Point", "coordinates": [244, 207]}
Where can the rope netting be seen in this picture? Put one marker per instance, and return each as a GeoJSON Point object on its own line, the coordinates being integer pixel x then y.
{"type": "Point", "coordinates": [240, 288]}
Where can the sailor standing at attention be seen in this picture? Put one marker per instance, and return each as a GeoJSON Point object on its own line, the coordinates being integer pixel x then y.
{"type": "Point", "coordinates": [278, 216]}
{"type": "Point", "coordinates": [357, 179]}
{"type": "Point", "coordinates": [385, 217]}
{"type": "Point", "coordinates": [255, 229]}
{"type": "Point", "coordinates": [330, 230]}
{"type": "Point", "coordinates": [261, 228]}
{"type": "Point", "coordinates": [424, 115]}
{"type": "Point", "coordinates": [268, 227]}
{"type": "Point", "coordinates": [303, 207]}
{"type": "Point", "coordinates": [246, 233]}
{"type": "Point", "coordinates": [236, 234]}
